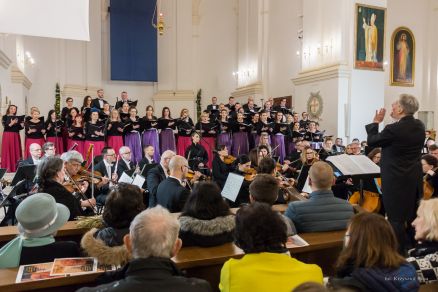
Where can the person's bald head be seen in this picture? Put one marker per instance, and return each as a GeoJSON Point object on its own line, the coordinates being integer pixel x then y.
{"type": "Point", "coordinates": [321, 176]}
{"type": "Point", "coordinates": [35, 150]}
{"type": "Point", "coordinates": [178, 166]}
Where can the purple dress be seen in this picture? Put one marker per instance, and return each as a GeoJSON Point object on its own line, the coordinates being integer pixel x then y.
{"type": "Point", "coordinates": [278, 145]}
{"type": "Point", "coordinates": [167, 140]}
{"type": "Point", "coordinates": [240, 143]}
{"type": "Point", "coordinates": [132, 140]}
{"type": "Point", "coordinates": [150, 137]}
{"type": "Point", "coordinates": [224, 139]}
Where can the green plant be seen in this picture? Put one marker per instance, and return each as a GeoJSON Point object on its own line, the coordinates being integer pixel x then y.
{"type": "Point", "coordinates": [198, 104]}
{"type": "Point", "coordinates": [58, 100]}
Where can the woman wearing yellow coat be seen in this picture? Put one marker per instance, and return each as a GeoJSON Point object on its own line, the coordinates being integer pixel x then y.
{"type": "Point", "coordinates": [267, 264]}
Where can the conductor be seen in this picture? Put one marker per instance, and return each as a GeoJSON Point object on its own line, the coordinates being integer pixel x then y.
{"type": "Point", "coordinates": [401, 172]}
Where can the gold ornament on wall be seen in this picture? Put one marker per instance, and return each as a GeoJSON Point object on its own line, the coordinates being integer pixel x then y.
{"type": "Point", "coordinates": [315, 106]}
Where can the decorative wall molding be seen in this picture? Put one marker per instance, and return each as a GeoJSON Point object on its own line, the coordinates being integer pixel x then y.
{"type": "Point", "coordinates": [169, 95]}
{"type": "Point", "coordinates": [5, 62]}
{"type": "Point", "coordinates": [17, 76]}
{"type": "Point", "coordinates": [76, 90]}
{"type": "Point", "coordinates": [322, 73]}
{"type": "Point", "coordinates": [251, 89]}
{"type": "Point", "coordinates": [196, 17]}
{"type": "Point", "coordinates": [176, 100]}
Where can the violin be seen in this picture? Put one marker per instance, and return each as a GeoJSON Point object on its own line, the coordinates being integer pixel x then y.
{"type": "Point", "coordinates": [229, 159]}
{"type": "Point", "coordinates": [250, 174]}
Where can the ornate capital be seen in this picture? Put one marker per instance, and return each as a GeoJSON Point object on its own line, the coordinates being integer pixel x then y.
{"type": "Point", "coordinates": [18, 77]}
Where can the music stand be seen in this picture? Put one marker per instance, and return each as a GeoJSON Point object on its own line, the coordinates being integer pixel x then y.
{"type": "Point", "coordinates": [26, 172]}
{"type": "Point", "coordinates": [12, 193]}
{"type": "Point", "coordinates": [2, 172]}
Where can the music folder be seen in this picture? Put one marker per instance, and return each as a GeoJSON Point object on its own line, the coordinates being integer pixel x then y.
{"type": "Point", "coordinates": [359, 166]}
{"type": "Point", "coordinates": [232, 186]}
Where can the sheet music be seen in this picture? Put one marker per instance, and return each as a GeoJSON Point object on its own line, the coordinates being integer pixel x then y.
{"type": "Point", "coordinates": [354, 164]}
{"type": "Point", "coordinates": [139, 181]}
{"type": "Point", "coordinates": [307, 188]}
{"type": "Point", "coordinates": [232, 186]}
{"type": "Point", "coordinates": [124, 178]}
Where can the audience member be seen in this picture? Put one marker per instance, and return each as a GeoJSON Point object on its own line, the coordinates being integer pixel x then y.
{"type": "Point", "coordinates": [171, 193]}
{"type": "Point", "coordinates": [156, 175]}
{"type": "Point", "coordinates": [124, 202]}
{"type": "Point", "coordinates": [370, 261]}
{"type": "Point", "coordinates": [206, 219]}
{"type": "Point", "coordinates": [424, 257]}
{"type": "Point", "coordinates": [35, 155]}
{"type": "Point", "coordinates": [433, 149]}
{"type": "Point", "coordinates": [39, 217]}
{"type": "Point", "coordinates": [152, 241]}
{"type": "Point", "coordinates": [264, 189]}
{"type": "Point", "coordinates": [322, 211]}
{"type": "Point", "coordinates": [267, 264]}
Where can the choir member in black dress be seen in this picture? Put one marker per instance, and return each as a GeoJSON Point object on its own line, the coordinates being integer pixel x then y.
{"type": "Point", "coordinates": [53, 128]}
{"type": "Point", "coordinates": [105, 112]}
{"type": "Point", "coordinates": [34, 130]}
{"type": "Point", "coordinates": [231, 104]}
{"type": "Point", "coordinates": [279, 131]}
{"type": "Point", "coordinates": [220, 169]}
{"type": "Point", "coordinates": [240, 136]}
{"type": "Point", "coordinates": [124, 112]}
{"type": "Point", "coordinates": [76, 135]}
{"type": "Point", "coordinates": [208, 132]}
{"type": "Point", "coordinates": [283, 109]}
{"type": "Point", "coordinates": [85, 109]}
{"type": "Point", "coordinates": [150, 133]}
{"type": "Point", "coordinates": [125, 99]}
{"type": "Point", "coordinates": [252, 139]}
{"type": "Point", "coordinates": [167, 125]}
{"type": "Point", "coordinates": [11, 142]}
{"type": "Point", "coordinates": [115, 131]}
{"type": "Point", "coordinates": [224, 128]}
{"type": "Point", "coordinates": [263, 126]}
{"type": "Point", "coordinates": [185, 128]}
{"type": "Point", "coordinates": [94, 133]}
{"type": "Point", "coordinates": [132, 130]}
{"type": "Point", "coordinates": [304, 122]}
{"type": "Point", "coordinates": [196, 154]}
{"type": "Point", "coordinates": [313, 135]}
{"type": "Point", "coordinates": [65, 115]}
{"type": "Point", "coordinates": [213, 109]}
{"type": "Point", "coordinates": [99, 101]}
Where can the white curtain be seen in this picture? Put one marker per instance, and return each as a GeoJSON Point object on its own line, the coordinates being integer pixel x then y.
{"type": "Point", "coordinates": [65, 19]}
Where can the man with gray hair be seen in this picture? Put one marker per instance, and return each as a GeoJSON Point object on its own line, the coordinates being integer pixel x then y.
{"type": "Point", "coordinates": [152, 241]}
{"type": "Point", "coordinates": [401, 170]}
{"type": "Point", "coordinates": [156, 175]}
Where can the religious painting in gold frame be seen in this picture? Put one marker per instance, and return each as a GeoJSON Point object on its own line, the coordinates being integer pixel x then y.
{"type": "Point", "coordinates": [369, 37]}
{"type": "Point", "coordinates": [402, 57]}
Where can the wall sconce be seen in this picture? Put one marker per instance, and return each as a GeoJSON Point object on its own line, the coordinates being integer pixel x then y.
{"type": "Point", "coordinates": [160, 25]}
{"type": "Point", "coordinates": [29, 59]}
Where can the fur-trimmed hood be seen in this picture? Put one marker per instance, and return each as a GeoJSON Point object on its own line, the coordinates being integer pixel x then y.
{"type": "Point", "coordinates": [117, 255]}
{"type": "Point", "coordinates": [211, 227]}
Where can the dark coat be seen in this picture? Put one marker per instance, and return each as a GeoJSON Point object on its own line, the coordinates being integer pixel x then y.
{"type": "Point", "coordinates": [212, 232]}
{"type": "Point", "coordinates": [49, 252]}
{"type": "Point", "coordinates": [122, 166]}
{"type": "Point", "coordinates": [220, 171]}
{"type": "Point", "coordinates": [172, 195]}
{"type": "Point", "coordinates": [322, 212]}
{"type": "Point", "coordinates": [155, 176]}
{"type": "Point", "coordinates": [400, 165]}
{"type": "Point", "coordinates": [96, 104]}
{"type": "Point", "coordinates": [64, 197]}
{"type": "Point", "coordinates": [100, 167]}
{"type": "Point", "coordinates": [28, 161]}
{"type": "Point", "coordinates": [151, 274]}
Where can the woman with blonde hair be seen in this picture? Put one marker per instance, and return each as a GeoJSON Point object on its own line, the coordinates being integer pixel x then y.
{"type": "Point", "coordinates": [424, 257]}
{"type": "Point", "coordinates": [115, 131]}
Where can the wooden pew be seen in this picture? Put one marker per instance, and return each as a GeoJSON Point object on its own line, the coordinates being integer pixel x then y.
{"type": "Point", "coordinates": [204, 263]}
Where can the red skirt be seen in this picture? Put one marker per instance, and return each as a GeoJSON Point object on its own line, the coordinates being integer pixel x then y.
{"type": "Point", "coordinates": [11, 151]}
{"type": "Point", "coordinates": [115, 142]}
{"type": "Point", "coordinates": [79, 148]}
{"type": "Point", "coordinates": [183, 143]}
{"type": "Point", "coordinates": [57, 141]}
{"type": "Point", "coordinates": [28, 141]}
{"type": "Point", "coordinates": [208, 143]}
{"type": "Point", "coordinates": [98, 146]}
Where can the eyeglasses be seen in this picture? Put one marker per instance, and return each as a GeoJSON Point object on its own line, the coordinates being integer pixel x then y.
{"type": "Point", "coordinates": [37, 150]}
{"type": "Point", "coordinates": [111, 154]}
{"type": "Point", "coordinates": [50, 149]}
{"type": "Point", "coordinates": [126, 153]}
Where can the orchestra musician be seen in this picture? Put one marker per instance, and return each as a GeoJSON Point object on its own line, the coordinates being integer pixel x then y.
{"type": "Point", "coordinates": [185, 128]}
{"type": "Point", "coordinates": [94, 133]}
{"type": "Point", "coordinates": [115, 131]}
{"type": "Point", "coordinates": [53, 127]}
{"type": "Point", "coordinates": [196, 154]}
{"type": "Point", "coordinates": [132, 134]}
{"type": "Point", "coordinates": [220, 169]}
{"type": "Point", "coordinates": [148, 151]}
{"type": "Point", "coordinates": [158, 174]}
{"type": "Point", "coordinates": [207, 133]}
{"type": "Point", "coordinates": [240, 136]}
{"type": "Point", "coordinates": [125, 163]}
{"type": "Point", "coordinates": [243, 164]}
{"type": "Point", "coordinates": [107, 169]}
{"type": "Point", "coordinates": [224, 136]}
{"type": "Point", "coordinates": [51, 174]}
{"type": "Point", "coordinates": [150, 134]}
{"type": "Point", "coordinates": [76, 134]}
{"type": "Point", "coordinates": [34, 130]}
{"type": "Point", "coordinates": [430, 168]}
{"type": "Point", "coordinates": [308, 158]}
{"type": "Point", "coordinates": [166, 125]}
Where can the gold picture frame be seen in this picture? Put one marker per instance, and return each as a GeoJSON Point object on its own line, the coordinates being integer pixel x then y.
{"type": "Point", "coordinates": [402, 57]}
{"type": "Point", "coordinates": [369, 37]}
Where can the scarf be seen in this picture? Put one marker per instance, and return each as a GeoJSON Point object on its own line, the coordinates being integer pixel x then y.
{"type": "Point", "coordinates": [10, 253]}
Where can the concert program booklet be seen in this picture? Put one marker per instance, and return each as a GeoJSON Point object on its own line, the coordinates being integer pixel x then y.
{"type": "Point", "coordinates": [296, 241]}
{"type": "Point", "coordinates": [34, 272]}
{"type": "Point", "coordinates": [73, 266]}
